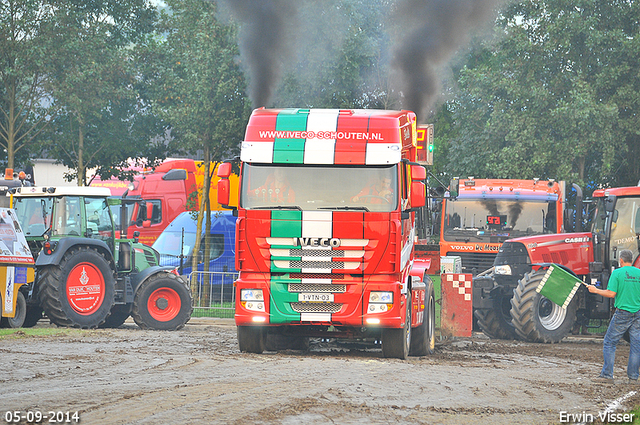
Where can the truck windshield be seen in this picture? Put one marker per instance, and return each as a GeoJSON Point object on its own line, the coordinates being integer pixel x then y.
{"type": "Point", "coordinates": [34, 214]}
{"type": "Point", "coordinates": [330, 187]}
{"type": "Point", "coordinates": [495, 220]}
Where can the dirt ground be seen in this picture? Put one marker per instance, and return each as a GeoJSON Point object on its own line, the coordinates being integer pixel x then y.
{"type": "Point", "coordinates": [198, 375]}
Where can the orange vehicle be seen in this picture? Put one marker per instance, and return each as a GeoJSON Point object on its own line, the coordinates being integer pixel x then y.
{"type": "Point", "coordinates": [487, 212]}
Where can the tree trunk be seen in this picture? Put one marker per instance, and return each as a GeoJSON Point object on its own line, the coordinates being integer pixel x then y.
{"type": "Point", "coordinates": [207, 237]}
{"type": "Point", "coordinates": [81, 168]}
{"type": "Point", "coordinates": [11, 127]}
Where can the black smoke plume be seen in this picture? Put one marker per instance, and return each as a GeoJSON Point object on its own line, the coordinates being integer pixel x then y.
{"type": "Point", "coordinates": [265, 34]}
{"type": "Point", "coordinates": [515, 210]}
{"type": "Point", "coordinates": [432, 32]}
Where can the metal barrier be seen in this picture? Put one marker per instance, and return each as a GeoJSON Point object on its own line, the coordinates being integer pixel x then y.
{"type": "Point", "coordinates": [214, 290]}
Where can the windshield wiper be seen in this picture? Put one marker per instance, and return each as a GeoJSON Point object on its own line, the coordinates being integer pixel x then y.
{"type": "Point", "coordinates": [345, 208]}
{"type": "Point", "coordinates": [278, 207]}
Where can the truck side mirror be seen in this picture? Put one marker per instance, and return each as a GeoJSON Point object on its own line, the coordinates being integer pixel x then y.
{"type": "Point", "coordinates": [224, 185]}
{"type": "Point", "coordinates": [418, 198]}
{"type": "Point", "coordinates": [224, 170]}
{"type": "Point", "coordinates": [149, 210]}
{"type": "Point", "coordinates": [418, 172]}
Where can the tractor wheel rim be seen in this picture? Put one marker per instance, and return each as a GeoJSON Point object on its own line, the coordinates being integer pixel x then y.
{"type": "Point", "coordinates": [432, 324]}
{"type": "Point", "coordinates": [164, 304]}
{"type": "Point", "coordinates": [551, 315]}
{"type": "Point", "coordinates": [85, 289]}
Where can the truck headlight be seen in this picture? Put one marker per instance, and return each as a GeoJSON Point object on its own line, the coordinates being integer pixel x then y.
{"type": "Point", "coordinates": [252, 299]}
{"type": "Point", "coordinates": [503, 270]}
{"type": "Point", "coordinates": [381, 297]}
{"type": "Point", "coordinates": [379, 301]}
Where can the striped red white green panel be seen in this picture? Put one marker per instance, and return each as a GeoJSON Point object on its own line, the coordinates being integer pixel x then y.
{"type": "Point", "coordinates": [324, 136]}
{"type": "Point", "coordinates": [300, 242]}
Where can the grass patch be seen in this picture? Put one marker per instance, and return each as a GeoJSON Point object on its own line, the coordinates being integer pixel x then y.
{"type": "Point", "coordinates": [223, 311]}
{"type": "Point", "coordinates": [636, 415]}
{"type": "Point", "coordinates": [38, 332]}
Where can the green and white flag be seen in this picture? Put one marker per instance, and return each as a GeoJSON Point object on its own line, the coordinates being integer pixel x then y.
{"type": "Point", "coordinates": [559, 286]}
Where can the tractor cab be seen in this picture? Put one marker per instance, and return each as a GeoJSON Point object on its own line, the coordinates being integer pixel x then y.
{"type": "Point", "coordinates": [55, 213]}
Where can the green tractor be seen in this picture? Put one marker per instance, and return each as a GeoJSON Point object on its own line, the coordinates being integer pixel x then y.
{"type": "Point", "coordinates": [86, 275]}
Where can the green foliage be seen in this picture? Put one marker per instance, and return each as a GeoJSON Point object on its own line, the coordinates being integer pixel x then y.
{"type": "Point", "coordinates": [101, 120]}
{"type": "Point", "coordinates": [193, 79]}
{"type": "Point", "coordinates": [554, 95]}
{"type": "Point", "coordinates": [24, 65]}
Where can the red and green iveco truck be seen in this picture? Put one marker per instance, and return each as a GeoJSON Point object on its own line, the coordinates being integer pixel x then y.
{"type": "Point", "coordinates": [326, 229]}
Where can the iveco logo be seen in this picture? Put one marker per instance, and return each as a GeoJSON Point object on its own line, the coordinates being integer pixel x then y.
{"type": "Point", "coordinates": [329, 242]}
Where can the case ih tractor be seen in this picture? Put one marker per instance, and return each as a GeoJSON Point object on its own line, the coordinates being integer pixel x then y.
{"type": "Point", "coordinates": [509, 303]}
{"type": "Point", "coordinates": [85, 276]}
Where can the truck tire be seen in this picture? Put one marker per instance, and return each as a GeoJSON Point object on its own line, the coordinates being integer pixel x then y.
{"type": "Point", "coordinates": [423, 338]}
{"type": "Point", "coordinates": [34, 314]}
{"type": "Point", "coordinates": [119, 314]}
{"type": "Point", "coordinates": [396, 342]}
{"type": "Point", "coordinates": [252, 339]}
{"type": "Point", "coordinates": [78, 292]}
{"type": "Point", "coordinates": [535, 318]}
{"type": "Point", "coordinates": [496, 322]}
{"type": "Point", "coordinates": [162, 302]}
{"type": "Point", "coordinates": [17, 321]}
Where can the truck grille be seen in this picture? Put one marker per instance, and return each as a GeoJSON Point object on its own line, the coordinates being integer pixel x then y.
{"type": "Point", "coordinates": [475, 262]}
{"type": "Point", "coordinates": [316, 253]}
{"type": "Point", "coordinates": [316, 307]}
{"type": "Point", "coordinates": [315, 287]}
{"type": "Point", "coordinates": [316, 260]}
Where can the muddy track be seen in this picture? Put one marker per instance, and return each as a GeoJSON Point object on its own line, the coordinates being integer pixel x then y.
{"type": "Point", "coordinates": [197, 375]}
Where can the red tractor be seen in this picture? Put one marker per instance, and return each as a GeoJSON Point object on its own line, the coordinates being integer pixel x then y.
{"type": "Point", "coordinates": [507, 299]}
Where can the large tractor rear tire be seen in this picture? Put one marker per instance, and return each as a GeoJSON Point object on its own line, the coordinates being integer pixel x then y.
{"type": "Point", "coordinates": [496, 323]}
{"type": "Point", "coordinates": [423, 338]}
{"type": "Point", "coordinates": [34, 314]}
{"type": "Point", "coordinates": [119, 314]}
{"type": "Point", "coordinates": [162, 302]}
{"type": "Point", "coordinates": [396, 342]}
{"type": "Point", "coordinates": [252, 339]}
{"type": "Point", "coordinates": [536, 318]}
{"type": "Point", "coordinates": [79, 292]}
{"type": "Point", "coordinates": [17, 321]}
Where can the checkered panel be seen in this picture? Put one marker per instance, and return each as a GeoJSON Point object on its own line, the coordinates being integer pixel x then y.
{"type": "Point", "coordinates": [460, 282]}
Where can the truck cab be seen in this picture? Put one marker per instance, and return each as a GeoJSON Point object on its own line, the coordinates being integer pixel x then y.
{"type": "Point", "coordinates": [173, 187]}
{"type": "Point", "coordinates": [326, 229]}
{"type": "Point", "coordinates": [487, 212]}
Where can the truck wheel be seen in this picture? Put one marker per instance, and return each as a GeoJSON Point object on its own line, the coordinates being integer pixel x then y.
{"type": "Point", "coordinates": [21, 312]}
{"type": "Point", "coordinates": [396, 342]}
{"type": "Point", "coordinates": [119, 313]}
{"type": "Point", "coordinates": [252, 339]}
{"type": "Point", "coordinates": [537, 319]}
{"type": "Point", "coordinates": [496, 322]}
{"type": "Point", "coordinates": [162, 302]}
{"type": "Point", "coordinates": [423, 338]}
{"type": "Point", "coordinates": [78, 292]}
{"type": "Point", "coordinates": [34, 314]}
